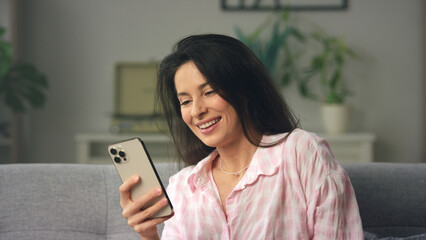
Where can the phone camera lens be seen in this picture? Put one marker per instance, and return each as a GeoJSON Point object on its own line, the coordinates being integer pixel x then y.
{"type": "Point", "coordinates": [122, 154]}
{"type": "Point", "coordinates": [113, 151]}
{"type": "Point", "coordinates": [117, 159]}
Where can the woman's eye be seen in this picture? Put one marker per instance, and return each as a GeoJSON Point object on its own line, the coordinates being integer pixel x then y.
{"type": "Point", "coordinates": [210, 92]}
{"type": "Point", "coordinates": [183, 103]}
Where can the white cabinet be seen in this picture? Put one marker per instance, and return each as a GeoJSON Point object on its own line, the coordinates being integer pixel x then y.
{"type": "Point", "coordinates": [352, 147]}
{"type": "Point", "coordinates": [92, 147]}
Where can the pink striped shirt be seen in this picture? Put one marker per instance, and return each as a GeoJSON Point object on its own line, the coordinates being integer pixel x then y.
{"type": "Point", "coordinates": [294, 190]}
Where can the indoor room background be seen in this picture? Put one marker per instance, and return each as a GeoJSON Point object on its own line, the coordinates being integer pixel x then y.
{"type": "Point", "coordinates": [78, 43]}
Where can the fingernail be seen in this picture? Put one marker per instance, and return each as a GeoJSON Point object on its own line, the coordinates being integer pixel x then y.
{"type": "Point", "coordinates": [158, 191]}
{"type": "Point", "coordinates": [136, 178]}
{"type": "Point", "coordinates": [164, 201]}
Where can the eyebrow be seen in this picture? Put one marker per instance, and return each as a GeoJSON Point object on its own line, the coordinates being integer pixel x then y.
{"type": "Point", "coordinates": [199, 88]}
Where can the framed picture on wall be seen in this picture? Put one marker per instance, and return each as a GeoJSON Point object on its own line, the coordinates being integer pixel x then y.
{"type": "Point", "coordinates": [292, 5]}
{"type": "Point", "coordinates": [134, 94]}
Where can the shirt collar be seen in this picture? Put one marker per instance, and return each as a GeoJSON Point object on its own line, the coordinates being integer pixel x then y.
{"type": "Point", "coordinates": [199, 175]}
{"type": "Point", "coordinates": [265, 162]}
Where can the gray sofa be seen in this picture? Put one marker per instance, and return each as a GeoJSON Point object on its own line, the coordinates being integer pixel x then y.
{"type": "Point", "coordinates": [71, 201]}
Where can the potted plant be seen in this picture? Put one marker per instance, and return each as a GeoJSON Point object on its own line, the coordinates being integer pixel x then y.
{"type": "Point", "coordinates": [326, 67]}
{"type": "Point", "coordinates": [21, 86]}
{"type": "Point", "coordinates": [277, 49]}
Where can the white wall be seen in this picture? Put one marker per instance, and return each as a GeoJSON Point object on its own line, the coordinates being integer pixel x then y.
{"type": "Point", "coordinates": [5, 14]}
{"type": "Point", "coordinates": [78, 42]}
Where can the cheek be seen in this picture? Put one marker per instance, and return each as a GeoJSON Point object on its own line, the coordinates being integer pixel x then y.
{"type": "Point", "coordinates": [229, 112]}
{"type": "Point", "coordinates": [186, 115]}
{"type": "Point", "coordinates": [220, 103]}
{"type": "Point", "coordinates": [224, 107]}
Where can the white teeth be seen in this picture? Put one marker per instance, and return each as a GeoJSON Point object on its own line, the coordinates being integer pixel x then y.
{"type": "Point", "coordinates": [208, 124]}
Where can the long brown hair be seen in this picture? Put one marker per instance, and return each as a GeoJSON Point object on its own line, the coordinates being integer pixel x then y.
{"type": "Point", "coordinates": [238, 76]}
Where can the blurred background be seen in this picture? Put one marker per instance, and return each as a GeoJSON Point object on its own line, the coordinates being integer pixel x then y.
{"type": "Point", "coordinates": [78, 43]}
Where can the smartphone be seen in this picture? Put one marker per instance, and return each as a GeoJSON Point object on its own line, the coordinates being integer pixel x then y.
{"type": "Point", "coordinates": [130, 158]}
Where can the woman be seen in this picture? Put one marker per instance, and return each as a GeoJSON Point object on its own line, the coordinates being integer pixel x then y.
{"type": "Point", "coordinates": [251, 173]}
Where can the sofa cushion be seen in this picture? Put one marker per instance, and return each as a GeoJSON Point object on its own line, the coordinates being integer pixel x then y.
{"type": "Point", "coordinates": [60, 201]}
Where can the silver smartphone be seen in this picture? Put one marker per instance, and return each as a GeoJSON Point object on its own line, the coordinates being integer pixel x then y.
{"type": "Point", "coordinates": [130, 158]}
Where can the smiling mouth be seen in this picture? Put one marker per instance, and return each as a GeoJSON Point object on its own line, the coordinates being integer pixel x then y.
{"type": "Point", "coordinates": [209, 124]}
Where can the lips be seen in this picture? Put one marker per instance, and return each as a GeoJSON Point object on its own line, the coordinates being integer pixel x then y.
{"type": "Point", "coordinates": [209, 123]}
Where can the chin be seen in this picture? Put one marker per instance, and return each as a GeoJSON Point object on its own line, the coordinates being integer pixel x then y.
{"type": "Point", "coordinates": [209, 141]}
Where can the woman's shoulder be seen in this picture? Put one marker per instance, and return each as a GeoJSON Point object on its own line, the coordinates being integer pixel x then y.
{"type": "Point", "coordinates": [297, 139]}
{"type": "Point", "coordinates": [309, 150]}
{"type": "Point", "coordinates": [300, 137]}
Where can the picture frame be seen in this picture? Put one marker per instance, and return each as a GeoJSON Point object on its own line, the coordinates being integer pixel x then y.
{"type": "Point", "coordinates": [276, 5]}
{"type": "Point", "coordinates": [134, 96]}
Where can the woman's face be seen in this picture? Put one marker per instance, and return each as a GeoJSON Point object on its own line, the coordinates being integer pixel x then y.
{"type": "Point", "coordinates": [212, 119]}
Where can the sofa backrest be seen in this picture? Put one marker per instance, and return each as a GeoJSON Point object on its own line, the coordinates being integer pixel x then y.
{"type": "Point", "coordinates": [391, 197]}
{"type": "Point", "coordinates": [77, 201]}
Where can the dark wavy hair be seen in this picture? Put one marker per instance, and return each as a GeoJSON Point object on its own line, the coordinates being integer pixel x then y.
{"type": "Point", "coordinates": [238, 76]}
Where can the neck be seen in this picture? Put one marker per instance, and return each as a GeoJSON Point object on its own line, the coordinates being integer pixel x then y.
{"type": "Point", "coordinates": [236, 156]}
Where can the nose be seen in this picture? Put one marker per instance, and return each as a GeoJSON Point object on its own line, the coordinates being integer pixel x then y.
{"type": "Point", "coordinates": [198, 108]}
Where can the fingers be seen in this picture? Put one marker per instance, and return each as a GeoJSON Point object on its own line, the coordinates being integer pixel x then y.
{"type": "Point", "coordinates": [125, 190]}
{"type": "Point", "coordinates": [142, 222]}
{"type": "Point", "coordinates": [138, 213]}
{"type": "Point", "coordinates": [146, 214]}
{"type": "Point", "coordinates": [135, 207]}
{"type": "Point", "coordinates": [149, 227]}
{"type": "Point", "coordinates": [144, 217]}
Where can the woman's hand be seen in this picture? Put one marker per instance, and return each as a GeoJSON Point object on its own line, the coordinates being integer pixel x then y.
{"type": "Point", "coordinates": [135, 213]}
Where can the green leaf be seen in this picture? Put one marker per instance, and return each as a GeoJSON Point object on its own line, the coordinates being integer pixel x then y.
{"type": "Point", "coordinates": [333, 97]}
{"type": "Point", "coordinates": [286, 79]}
{"type": "Point", "coordinates": [14, 102]}
{"type": "Point", "coordinates": [34, 97]}
{"type": "Point", "coordinates": [24, 86]}
{"type": "Point", "coordinates": [2, 31]}
{"type": "Point", "coordinates": [285, 15]}
{"type": "Point", "coordinates": [5, 58]}
{"type": "Point", "coordinates": [241, 36]}
{"type": "Point", "coordinates": [4, 68]}
{"type": "Point", "coordinates": [273, 43]}
{"type": "Point", "coordinates": [298, 35]}
{"type": "Point", "coordinates": [336, 78]}
{"type": "Point", "coordinates": [21, 85]}
{"type": "Point", "coordinates": [318, 62]}
{"type": "Point", "coordinates": [259, 30]}
{"type": "Point", "coordinates": [304, 91]}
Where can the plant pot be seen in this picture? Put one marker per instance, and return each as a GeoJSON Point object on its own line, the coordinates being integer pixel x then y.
{"type": "Point", "coordinates": [336, 118]}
